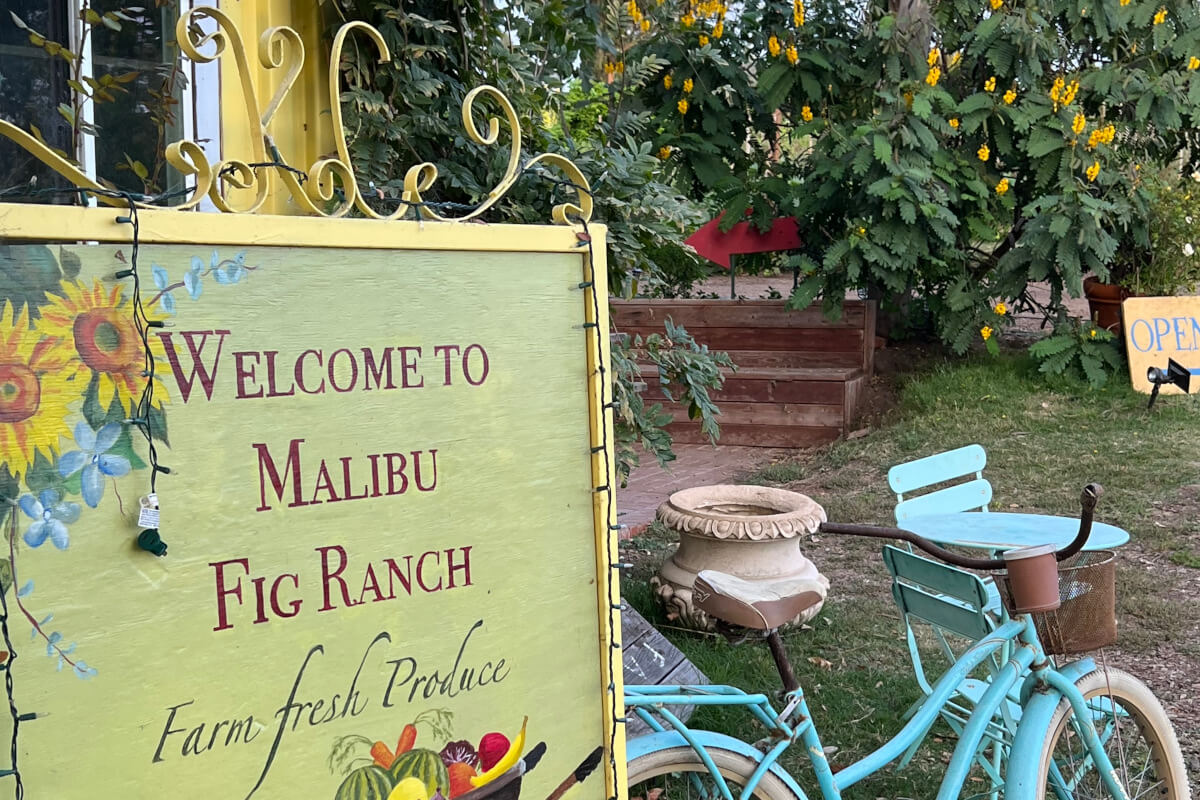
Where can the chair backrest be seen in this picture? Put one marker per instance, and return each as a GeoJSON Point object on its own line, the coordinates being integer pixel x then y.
{"type": "Point", "coordinates": [969, 496]}
{"type": "Point", "coordinates": [943, 596]}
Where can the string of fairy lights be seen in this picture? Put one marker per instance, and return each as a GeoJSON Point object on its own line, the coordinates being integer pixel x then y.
{"type": "Point", "coordinates": [141, 417]}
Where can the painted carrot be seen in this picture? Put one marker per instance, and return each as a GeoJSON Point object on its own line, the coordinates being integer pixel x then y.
{"type": "Point", "coordinates": [408, 737]}
{"type": "Point", "coordinates": [383, 757]}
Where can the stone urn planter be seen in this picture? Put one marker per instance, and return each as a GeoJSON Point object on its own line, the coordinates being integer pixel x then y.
{"type": "Point", "coordinates": [750, 532]}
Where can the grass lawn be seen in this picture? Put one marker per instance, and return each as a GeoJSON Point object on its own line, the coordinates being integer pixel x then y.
{"type": "Point", "coordinates": [1043, 443]}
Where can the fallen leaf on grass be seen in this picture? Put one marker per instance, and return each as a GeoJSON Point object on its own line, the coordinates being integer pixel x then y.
{"type": "Point", "coordinates": [820, 662]}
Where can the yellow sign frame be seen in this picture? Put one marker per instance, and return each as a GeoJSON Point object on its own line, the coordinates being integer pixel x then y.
{"type": "Point", "coordinates": [39, 223]}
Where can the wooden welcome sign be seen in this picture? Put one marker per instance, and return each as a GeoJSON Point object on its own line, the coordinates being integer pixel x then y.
{"type": "Point", "coordinates": [1158, 329]}
{"type": "Point", "coordinates": [388, 565]}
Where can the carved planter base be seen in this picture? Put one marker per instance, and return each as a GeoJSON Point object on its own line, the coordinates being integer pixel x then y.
{"type": "Point", "coordinates": [751, 532]}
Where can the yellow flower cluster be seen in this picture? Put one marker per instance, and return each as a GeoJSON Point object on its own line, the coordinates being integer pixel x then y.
{"type": "Point", "coordinates": [665, 152]}
{"type": "Point", "coordinates": [862, 231]}
{"type": "Point", "coordinates": [612, 68]}
{"type": "Point", "coordinates": [1124, 2]}
{"type": "Point", "coordinates": [1160, 17]}
{"type": "Point", "coordinates": [1194, 63]}
{"type": "Point", "coordinates": [996, 4]}
{"type": "Point", "coordinates": [1063, 94]}
{"type": "Point", "coordinates": [682, 105]}
{"type": "Point", "coordinates": [1093, 171]}
{"type": "Point", "coordinates": [688, 85]}
{"type": "Point", "coordinates": [954, 59]}
{"type": "Point", "coordinates": [773, 47]}
{"type": "Point", "coordinates": [935, 73]}
{"type": "Point", "coordinates": [703, 40]}
{"type": "Point", "coordinates": [954, 123]}
{"type": "Point", "coordinates": [793, 55]}
{"type": "Point", "coordinates": [798, 13]}
{"type": "Point", "coordinates": [688, 19]}
{"type": "Point", "coordinates": [719, 29]}
{"type": "Point", "coordinates": [1078, 124]}
{"type": "Point", "coordinates": [990, 84]}
{"type": "Point", "coordinates": [806, 114]}
{"type": "Point", "coordinates": [984, 153]}
{"type": "Point", "coordinates": [637, 16]}
{"type": "Point", "coordinates": [1001, 188]}
{"type": "Point", "coordinates": [1010, 96]}
{"type": "Point", "coordinates": [1000, 308]}
{"type": "Point", "coordinates": [1101, 136]}
{"type": "Point", "coordinates": [667, 81]}
{"type": "Point", "coordinates": [934, 56]}
{"type": "Point", "coordinates": [711, 8]}
{"type": "Point", "coordinates": [645, 25]}
{"type": "Point", "coordinates": [986, 332]}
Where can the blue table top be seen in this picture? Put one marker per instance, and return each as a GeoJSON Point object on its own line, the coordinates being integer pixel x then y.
{"type": "Point", "coordinates": [999, 530]}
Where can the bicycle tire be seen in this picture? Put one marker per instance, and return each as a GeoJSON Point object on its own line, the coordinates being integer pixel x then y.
{"type": "Point", "coordinates": [734, 767]}
{"type": "Point", "coordinates": [1156, 745]}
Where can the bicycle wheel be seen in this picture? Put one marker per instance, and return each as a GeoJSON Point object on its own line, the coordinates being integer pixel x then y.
{"type": "Point", "coordinates": [1136, 734]}
{"type": "Point", "coordinates": [677, 773]}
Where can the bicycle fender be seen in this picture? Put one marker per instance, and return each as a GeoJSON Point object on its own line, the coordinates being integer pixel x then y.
{"type": "Point", "coordinates": [651, 742]}
{"type": "Point", "coordinates": [1033, 731]}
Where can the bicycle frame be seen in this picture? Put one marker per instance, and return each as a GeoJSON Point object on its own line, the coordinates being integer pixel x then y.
{"type": "Point", "coordinates": [649, 702]}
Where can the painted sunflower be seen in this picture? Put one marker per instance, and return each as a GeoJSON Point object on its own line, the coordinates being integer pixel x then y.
{"type": "Point", "coordinates": [34, 390]}
{"type": "Point", "coordinates": [99, 322]}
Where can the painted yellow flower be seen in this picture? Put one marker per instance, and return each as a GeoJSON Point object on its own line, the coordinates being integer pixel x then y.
{"type": "Point", "coordinates": [667, 81]}
{"type": "Point", "coordinates": [703, 40]}
{"type": "Point", "coordinates": [682, 105]}
{"type": "Point", "coordinates": [664, 153]}
{"type": "Point", "coordinates": [793, 55]}
{"type": "Point", "coordinates": [1001, 308]}
{"type": "Point", "coordinates": [985, 332]}
{"type": "Point", "coordinates": [1010, 96]}
{"type": "Point", "coordinates": [1093, 171]}
{"type": "Point", "coordinates": [984, 153]}
{"type": "Point", "coordinates": [34, 390]}
{"type": "Point", "coordinates": [935, 74]}
{"type": "Point", "coordinates": [1193, 63]}
{"type": "Point", "coordinates": [773, 46]}
{"type": "Point", "coordinates": [1001, 188]}
{"type": "Point", "coordinates": [990, 84]}
{"type": "Point", "coordinates": [933, 57]}
{"type": "Point", "coordinates": [99, 324]}
{"type": "Point", "coordinates": [806, 114]}
{"type": "Point", "coordinates": [1078, 124]}
{"type": "Point", "coordinates": [954, 123]}
{"type": "Point", "coordinates": [1160, 17]}
{"type": "Point", "coordinates": [688, 85]}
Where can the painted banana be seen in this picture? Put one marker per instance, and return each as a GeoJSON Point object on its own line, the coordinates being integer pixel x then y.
{"type": "Point", "coordinates": [506, 763]}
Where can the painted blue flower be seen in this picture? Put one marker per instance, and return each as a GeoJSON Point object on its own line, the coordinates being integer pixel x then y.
{"type": "Point", "coordinates": [232, 270]}
{"type": "Point", "coordinates": [191, 279]}
{"type": "Point", "coordinates": [50, 516]}
{"type": "Point", "coordinates": [94, 459]}
{"type": "Point", "coordinates": [161, 282]}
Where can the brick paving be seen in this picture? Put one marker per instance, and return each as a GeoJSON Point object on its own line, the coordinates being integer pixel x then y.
{"type": "Point", "coordinates": [695, 465]}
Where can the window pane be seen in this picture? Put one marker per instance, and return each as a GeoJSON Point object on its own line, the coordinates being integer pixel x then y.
{"type": "Point", "coordinates": [142, 120]}
{"type": "Point", "coordinates": [32, 84]}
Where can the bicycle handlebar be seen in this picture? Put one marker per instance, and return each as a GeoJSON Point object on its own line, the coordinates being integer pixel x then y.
{"type": "Point", "coordinates": [1087, 501]}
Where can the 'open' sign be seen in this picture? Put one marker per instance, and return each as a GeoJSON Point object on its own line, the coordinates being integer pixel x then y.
{"type": "Point", "coordinates": [1161, 328]}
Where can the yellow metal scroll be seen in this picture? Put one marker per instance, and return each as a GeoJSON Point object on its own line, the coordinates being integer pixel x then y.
{"type": "Point", "coordinates": [315, 191]}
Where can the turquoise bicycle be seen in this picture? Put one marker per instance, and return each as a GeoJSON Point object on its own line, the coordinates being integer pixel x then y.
{"type": "Point", "coordinates": [1082, 731]}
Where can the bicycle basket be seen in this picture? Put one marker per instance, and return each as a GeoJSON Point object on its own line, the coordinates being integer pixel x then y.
{"type": "Point", "coordinates": [1087, 618]}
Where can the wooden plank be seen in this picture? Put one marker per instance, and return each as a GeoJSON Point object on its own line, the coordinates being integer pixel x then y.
{"type": "Point", "coordinates": [787, 414]}
{"type": "Point", "coordinates": [756, 435]}
{"type": "Point", "coordinates": [649, 371]}
{"type": "Point", "coordinates": [697, 314]}
{"type": "Point", "coordinates": [870, 312]}
{"type": "Point", "coordinates": [853, 394]}
{"type": "Point", "coordinates": [834, 340]}
{"type": "Point", "coordinates": [780, 359]}
{"type": "Point", "coordinates": [758, 390]}
{"type": "Point", "coordinates": [684, 674]}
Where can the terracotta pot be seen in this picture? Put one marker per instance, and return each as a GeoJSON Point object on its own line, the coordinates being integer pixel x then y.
{"type": "Point", "coordinates": [750, 532]}
{"type": "Point", "coordinates": [1104, 303]}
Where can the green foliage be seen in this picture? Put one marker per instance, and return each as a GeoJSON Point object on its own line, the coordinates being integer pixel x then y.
{"type": "Point", "coordinates": [687, 371]}
{"type": "Point", "coordinates": [1079, 349]}
{"type": "Point", "coordinates": [946, 150]}
{"type": "Point", "coordinates": [1170, 264]}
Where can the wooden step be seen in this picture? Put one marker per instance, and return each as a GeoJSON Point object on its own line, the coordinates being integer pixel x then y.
{"type": "Point", "coordinates": [650, 659]}
{"type": "Point", "coordinates": [758, 385]}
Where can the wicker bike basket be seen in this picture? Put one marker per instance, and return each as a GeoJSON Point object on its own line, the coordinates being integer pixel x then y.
{"type": "Point", "coordinates": [1087, 618]}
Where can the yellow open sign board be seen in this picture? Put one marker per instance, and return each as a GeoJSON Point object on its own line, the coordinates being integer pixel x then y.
{"type": "Point", "coordinates": [1158, 329]}
{"type": "Point", "coordinates": [388, 558]}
